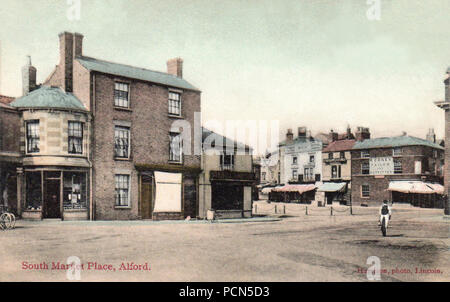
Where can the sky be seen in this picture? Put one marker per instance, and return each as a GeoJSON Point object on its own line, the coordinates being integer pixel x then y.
{"type": "Point", "coordinates": [323, 64]}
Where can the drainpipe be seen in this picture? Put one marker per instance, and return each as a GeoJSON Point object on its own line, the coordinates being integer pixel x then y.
{"type": "Point", "coordinates": [91, 138]}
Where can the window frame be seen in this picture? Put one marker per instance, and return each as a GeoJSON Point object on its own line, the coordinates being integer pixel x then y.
{"type": "Point", "coordinates": [117, 99]}
{"type": "Point", "coordinates": [398, 163]}
{"type": "Point", "coordinates": [227, 167]}
{"type": "Point", "coordinates": [330, 155]}
{"type": "Point", "coordinates": [170, 101]}
{"type": "Point", "coordinates": [313, 157]}
{"type": "Point", "coordinates": [294, 160]}
{"type": "Point", "coordinates": [363, 195]}
{"type": "Point", "coordinates": [362, 168]}
{"type": "Point", "coordinates": [69, 137]}
{"type": "Point", "coordinates": [295, 174]}
{"type": "Point", "coordinates": [28, 138]}
{"type": "Point", "coordinates": [128, 130]}
{"type": "Point", "coordinates": [365, 154]}
{"type": "Point", "coordinates": [397, 151]}
{"type": "Point", "coordinates": [342, 155]}
{"type": "Point", "coordinates": [116, 182]}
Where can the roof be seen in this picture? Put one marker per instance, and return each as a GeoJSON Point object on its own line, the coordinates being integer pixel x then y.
{"type": "Point", "coordinates": [49, 97]}
{"type": "Point", "coordinates": [220, 141]}
{"type": "Point", "coordinates": [397, 141]}
{"type": "Point", "coordinates": [331, 187]}
{"type": "Point", "coordinates": [135, 73]}
{"type": "Point", "coordinates": [6, 99]}
{"type": "Point", "coordinates": [340, 145]}
{"type": "Point", "coordinates": [301, 139]}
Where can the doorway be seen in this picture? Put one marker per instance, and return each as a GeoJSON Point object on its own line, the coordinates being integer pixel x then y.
{"type": "Point", "coordinates": [52, 202]}
{"type": "Point", "coordinates": [146, 197]}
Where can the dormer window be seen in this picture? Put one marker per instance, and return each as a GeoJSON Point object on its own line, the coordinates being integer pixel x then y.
{"type": "Point", "coordinates": [33, 136]}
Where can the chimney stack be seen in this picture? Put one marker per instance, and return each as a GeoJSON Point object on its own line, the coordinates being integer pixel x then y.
{"type": "Point", "coordinates": [70, 47]}
{"type": "Point", "coordinates": [333, 136]}
{"type": "Point", "coordinates": [431, 137]}
{"type": "Point", "coordinates": [362, 133]}
{"type": "Point", "coordinates": [175, 67]}
{"type": "Point", "coordinates": [349, 132]}
{"type": "Point", "coordinates": [289, 135]}
{"type": "Point", "coordinates": [301, 131]}
{"type": "Point", "coordinates": [28, 77]}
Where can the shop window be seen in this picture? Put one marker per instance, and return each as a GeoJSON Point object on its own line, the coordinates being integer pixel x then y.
{"type": "Point", "coordinates": [33, 190]}
{"type": "Point", "coordinates": [74, 191]}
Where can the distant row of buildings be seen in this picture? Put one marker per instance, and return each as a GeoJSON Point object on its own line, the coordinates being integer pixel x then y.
{"type": "Point", "coordinates": [355, 168]}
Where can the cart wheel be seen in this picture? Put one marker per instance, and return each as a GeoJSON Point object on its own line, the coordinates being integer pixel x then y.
{"type": "Point", "coordinates": [5, 221]}
{"type": "Point", "coordinates": [13, 220]}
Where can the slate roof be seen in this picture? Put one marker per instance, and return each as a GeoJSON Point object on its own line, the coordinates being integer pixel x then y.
{"type": "Point", "coordinates": [49, 97]}
{"type": "Point", "coordinates": [135, 73]}
{"type": "Point", "coordinates": [340, 145]}
{"type": "Point", "coordinates": [222, 141]}
{"type": "Point", "coordinates": [397, 141]}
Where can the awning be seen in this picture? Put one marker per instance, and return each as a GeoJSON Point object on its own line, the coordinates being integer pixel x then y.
{"type": "Point", "coordinates": [332, 187]}
{"type": "Point", "coordinates": [417, 187]}
{"type": "Point", "coordinates": [266, 190]}
{"type": "Point", "coordinates": [295, 188]}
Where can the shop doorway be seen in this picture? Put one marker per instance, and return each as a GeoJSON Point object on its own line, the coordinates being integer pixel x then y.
{"type": "Point", "coordinates": [52, 202]}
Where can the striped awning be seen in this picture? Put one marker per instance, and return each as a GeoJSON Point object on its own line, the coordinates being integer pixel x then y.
{"type": "Point", "coordinates": [416, 187]}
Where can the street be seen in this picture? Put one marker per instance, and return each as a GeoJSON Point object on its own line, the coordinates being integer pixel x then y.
{"type": "Point", "coordinates": [295, 248]}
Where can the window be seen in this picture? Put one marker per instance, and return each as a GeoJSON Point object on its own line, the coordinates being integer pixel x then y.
{"type": "Point", "coordinates": [263, 175]}
{"type": "Point", "coordinates": [121, 142]}
{"type": "Point", "coordinates": [365, 191]}
{"type": "Point", "coordinates": [74, 190]}
{"type": "Point", "coordinates": [121, 95]}
{"type": "Point", "coordinates": [33, 136]}
{"type": "Point", "coordinates": [122, 194]}
{"type": "Point", "coordinates": [365, 168]}
{"type": "Point", "coordinates": [309, 175]}
{"type": "Point", "coordinates": [174, 103]}
{"type": "Point", "coordinates": [330, 155]}
{"type": "Point", "coordinates": [226, 162]}
{"type": "Point", "coordinates": [294, 159]}
{"type": "Point", "coordinates": [397, 151]}
{"type": "Point", "coordinates": [398, 166]}
{"type": "Point", "coordinates": [175, 147]}
{"type": "Point", "coordinates": [311, 158]}
{"type": "Point", "coordinates": [75, 138]}
{"type": "Point", "coordinates": [335, 171]}
{"type": "Point", "coordinates": [365, 154]}
{"type": "Point", "coordinates": [343, 155]}
{"type": "Point", "coordinates": [294, 174]}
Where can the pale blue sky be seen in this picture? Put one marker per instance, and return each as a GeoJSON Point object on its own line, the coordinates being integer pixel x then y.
{"type": "Point", "coordinates": [318, 63]}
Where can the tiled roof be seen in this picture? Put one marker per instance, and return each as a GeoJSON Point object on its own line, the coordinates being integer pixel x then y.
{"type": "Point", "coordinates": [340, 145]}
{"type": "Point", "coordinates": [6, 99]}
{"type": "Point", "coordinates": [397, 141]}
{"type": "Point", "coordinates": [135, 73]}
{"type": "Point", "coordinates": [49, 97]}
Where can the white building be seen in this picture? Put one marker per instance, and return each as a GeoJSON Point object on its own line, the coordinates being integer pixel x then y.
{"type": "Point", "coordinates": [300, 158]}
{"type": "Point", "coordinates": [270, 167]}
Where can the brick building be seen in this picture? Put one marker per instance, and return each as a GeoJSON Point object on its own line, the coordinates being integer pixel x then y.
{"type": "Point", "coordinates": [136, 155]}
{"type": "Point", "coordinates": [399, 169]}
{"type": "Point", "coordinates": [10, 157]}
{"type": "Point", "coordinates": [228, 177]}
{"type": "Point", "coordinates": [445, 105]}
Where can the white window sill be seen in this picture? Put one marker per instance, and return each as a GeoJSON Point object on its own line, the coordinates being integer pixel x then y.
{"type": "Point", "coordinates": [175, 116]}
{"type": "Point", "coordinates": [122, 207]}
{"type": "Point", "coordinates": [122, 159]}
{"type": "Point", "coordinates": [123, 108]}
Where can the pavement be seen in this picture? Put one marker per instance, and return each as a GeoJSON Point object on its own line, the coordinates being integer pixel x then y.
{"type": "Point", "coordinates": [317, 247]}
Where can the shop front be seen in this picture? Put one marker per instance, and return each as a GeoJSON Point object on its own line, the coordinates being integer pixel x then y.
{"type": "Point", "coordinates": [56, 193]}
